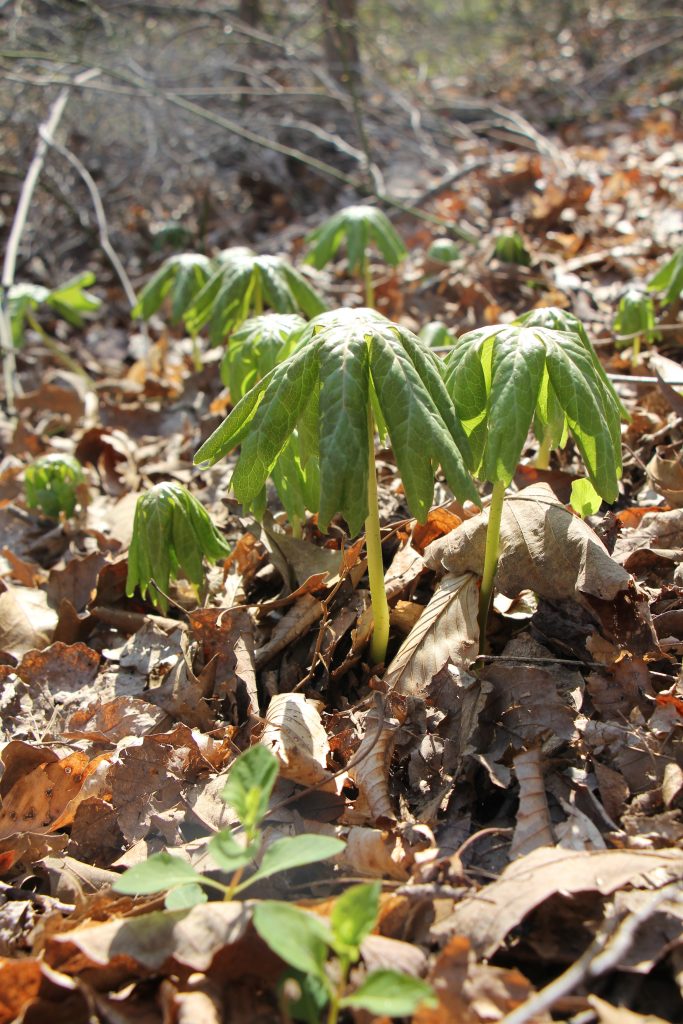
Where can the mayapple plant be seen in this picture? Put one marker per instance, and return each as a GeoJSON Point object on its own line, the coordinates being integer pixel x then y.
{"type": "Point", "coordinates": [352, 368]}
{"type": "Point", "coordinates": [443, 250]}
{"type": "Point", "coordinates": [636, 319]}
{"type": "Point", "coordinates": [359, 226]}
{"type": "Point", "coordinates": [256, 347]}
{"type": "Point", "coordinates": [669, 278]}
{"type": "Point", "coordinates": [51, 484]}
{"type": "Point", "coordinates": [510, 248]}
{"type": "Point", "coordinates": [172, 534]}
{"type": "Point", "coordinates": [243, 284]}
{"type": "Point", "coordinates": [304, 941]}
{"type": "Point", "coordinates": [503, 379]}
{"type": "Point", "coordinates": [70, 301]}
{"type": "Point", "coordinates": [181, 277]}
{"type": "Point", "coordinates": [247, 790]}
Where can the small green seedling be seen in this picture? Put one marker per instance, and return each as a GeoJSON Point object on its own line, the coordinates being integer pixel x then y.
{"type": "Point", "coordinates": [180, 277]}
{"type": "Point", "coordinates": [352, 367]}
{"type": "Point", "coordinates": [256, 347]}
{"type": "Point", "coordinates": [243, 284]}
{"type": "Point", "coordinates": [669, 278]}
{"type": "Point", "coordinates": [70, 301]}
{"type": "Point", "coordinates": [304, 941]}
{"type": "Point", "coordinates": [172, 534]}
{"type": "Point", "coordinates": [636, 319]}
{"type": "Point", "coordinates": [510, 248]}
{"type": "Point", "coordinates": [51, 484]}
{"type": "Point", "coordinates": [505, 378]}
{"type": "Point", "coordinates": [247, 790]}
{"type": "Point", "coordinates": [435, 334]}
{"type": "Point", "coordinates": [443, 250]}
{"type": "Point", "coordinates": [359, 225]}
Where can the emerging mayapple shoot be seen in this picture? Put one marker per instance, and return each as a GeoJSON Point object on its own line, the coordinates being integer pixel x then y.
{"type": "Point", "coordinates": [635, 320]}
{"type": "Point", "coordinates": [256, 347]}
{"type": "Point", "coordinates": [180, 277]}
{"type": "Point", "coordinates": [669, 279]}
{"type": "Point", "coordinates": [350, 368]}
{"type": "Point", "coordinates": [172, 534]}
{"type": "Point", "coordinates": [359, 226]}
{"type": "Point", "coordinates": [505, 378]}
{"type": "Point", "coordinates": [243, 284]}
{"type": "Point", "coordinates": [51, 484]}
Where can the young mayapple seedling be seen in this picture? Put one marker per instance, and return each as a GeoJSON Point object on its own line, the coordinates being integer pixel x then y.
{"type": "Point", "coordinates": [247, 790]}
{"type": "Point", "coordinates": [172, 534]}
{"type": "Point", "coordinates": [505, 378]}
{"type": "Point", "coordinates": [636, 320]}
{"type": "Point", "coordinates": [256, 347]}
{"type": "Point", "coordinates": [510, 248]}
{"type": "Point", "coordinates": [305, 941]}
{"type": "Point", "coordinates": [669, 278]}
{"type": "Point", "coordinates": [443, 250]}
{"type": "Point", "coordinates": [351, 367]}
{"type": "Point", "coordinates": [180, 277]}
{"type": "Point", "coordinates": [358, 226]}
{"type": "Point", "coordinates": [70, 301]}
{"type": "Point", "coordinates": [51, 484]}
{"type": "Point", "coordinates": [243, 284]}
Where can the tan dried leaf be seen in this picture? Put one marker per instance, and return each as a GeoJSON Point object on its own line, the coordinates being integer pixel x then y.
{"type": "Point", "coordinates": [543, 547]}
{"type": "Point", "coordinates": [447, 631]}
{"type": "Point", "coordinates": [532, 828]}
{"type": "Point", "coordinates": [294, 732]}
{"type": "Point", "coordinates": [369, 768]}
{"type": "Point", "coordinates": [26, 620]}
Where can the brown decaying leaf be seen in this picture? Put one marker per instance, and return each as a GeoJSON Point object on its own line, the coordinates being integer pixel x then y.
{"type": "Point", "coordinates": [532, 827]}
{"type": "Point", "coordinates": [38, 799]}
{"type": "Point", "coordinates": [294, 732]}
{"type": "Point", "coordinates": [447, 631]}
{"type": "Point", "coordinates": [665, 471]}
{"type": "Point", "coordinates": [369, 768]}
{"type": "Point", "coordinates": [26, 620]}
{"type": "Point", "coordinates": [488, 918]}
{"type": "Point", "coordinates": [543, 547]}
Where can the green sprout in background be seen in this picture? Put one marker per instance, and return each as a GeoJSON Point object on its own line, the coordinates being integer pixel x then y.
{"type": "Point", "coordinates": [636, 319]}
{"type": "Point", "coordinates": [510, 248]}
{"type": "Point", "coordinates": [180, 277]}
{"type": "Point", "coordinates": [51, 484]}
{"type": "Point", "coordinates": [503, 379]}
{"type": "Point", "coordinates": [172, 534]}
{"type": "Point", "coordinates": [443, 250]}
{"type": "Point", "coordinates": [244, 284]}
{"type": "Point", "coordinates": [70, 301]}
{"type": "Point", "coordinates": [351, 369]}
{"type": "Point", "coordinates": [358, 226]}
{"type": "Point", "coordinates": [248, 790]}
{"type": "Point", "coordinates": [435, 334]}
{"type": "Point", "coordinates": [669, 279]}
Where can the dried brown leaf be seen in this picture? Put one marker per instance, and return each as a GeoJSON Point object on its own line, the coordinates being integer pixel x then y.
{"type": "Point", "coordinates": [26, 620]}
{"type": "Point", "coordinates": [294, 732]}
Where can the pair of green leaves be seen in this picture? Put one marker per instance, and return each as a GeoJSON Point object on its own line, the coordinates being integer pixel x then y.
{"type": "Point", "coordinates": [248, 790]}
{"type": "Point", "coordinates": [541, 370]}
{"type": "Point", "coordinates": [348, 366]}
{"type": "Point", "coordinates": [304, 941]}
{"type": "Point", "coordinates": [70, 301]}
{"type": "Point", "coordinates": [172, 534]}
{"type": "Point", "coordinates": [51, 484]}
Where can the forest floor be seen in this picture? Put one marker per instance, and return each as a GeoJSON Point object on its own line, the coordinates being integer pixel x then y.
{"type": "Point", "coordinates": [522, 810]}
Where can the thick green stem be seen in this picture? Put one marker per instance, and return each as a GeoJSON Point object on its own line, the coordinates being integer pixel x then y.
{"type": "Point", "coordinates": [367, 280]}
{"type": "Point", "coordinates": [635, 351]}
{"type": "Point", "coordinates": [490, 560]}
{"type": "Point", "coordinates": [373, 548]}
{"type": "Point", "coordinates": [543, 458]}
{"type": "Point", "coordinates": [196, 354]}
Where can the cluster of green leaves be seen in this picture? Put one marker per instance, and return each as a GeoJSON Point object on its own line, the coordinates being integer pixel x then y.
{"type": "Point", "coordinates": [510, 248]}
{"type": "Point", "coordinates": [348, 364]}
{"type": "Point", "coordinates": [443, 250]}
{"type": "Point", "coordinates": [181, 277]}
{"type": "Point", "coordinates": [635, 318]}
{"type": "Point", "coordinates": [304, 941]}
{"type": "Point", "coordinates": [70, 301]}
{"type": "Point", "coordinates": [669, 278]}
{"type": "Point", "coordinates": [248, 790]}
{"type": "Point", "coordinates": [256, 347]}
{"type": "Point", "coordinates": [51, 484]}
{"type": "Point", "coordinates": [172, 534]}
{"type": "Point", "coordinates": [543, 371]}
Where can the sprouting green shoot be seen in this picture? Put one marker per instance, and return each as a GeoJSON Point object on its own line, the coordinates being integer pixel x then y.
{"type": "Point", "coordinates": [636, 320]}
{"type": "Point", "coordinates": [51, 484]}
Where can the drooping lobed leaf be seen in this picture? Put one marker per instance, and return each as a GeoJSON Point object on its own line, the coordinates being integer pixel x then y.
{"type": "Point", "coordinates": [244, 283]}
{"type": "Point", "coordinates": [635, 315]}
{"type": "Point", "coordinates": [172, 534]}
{"type": "Point", "coordinates": [71, 301]}
{"type": "Point", "coordinates": [342, 359]}
{"type": "Point", "coordinates": [256, 347]}
{"type": "Point", "coordinates": [359, 226]}
{"type": "Point", "coordinates": [542, 369]}
{"type": "Point", "coordinates": [182, 276]}
{"type": "Point", "coordinates": [669, 278]}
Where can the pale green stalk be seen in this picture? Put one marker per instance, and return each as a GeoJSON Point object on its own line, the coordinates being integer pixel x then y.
{"type": "Point", "coordinates": [258, 296]}
{"type": "Point", "coordinates": [490, 560]}
{"type": "Point", "coordinates": [369, 288]}
{"type": "Point", "coordinates": [542, 460]}
{"type": "Point", "coordinates": [373, 549]}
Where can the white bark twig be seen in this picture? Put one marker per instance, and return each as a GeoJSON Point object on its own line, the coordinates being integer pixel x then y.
{"type": "Point", "coordinates": [46, 133]}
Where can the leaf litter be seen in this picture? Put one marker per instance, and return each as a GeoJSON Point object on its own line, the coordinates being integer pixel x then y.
{"type": "Point", "coordinates": [517, 807]}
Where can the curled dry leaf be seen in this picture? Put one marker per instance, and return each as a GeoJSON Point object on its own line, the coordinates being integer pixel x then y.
{"type": "Point", "coordinates": [369, 768]}
{"type": "Point", "coordinates": [532, 828]}
{"type": "Point", "coordinates": [295, 733]}
{"type": "Point", "coordinates": [665, 470]}
{"type": "Point", "coordinates": [447, 631]}
{"type": "Point", "coordinates": [543, 547]}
